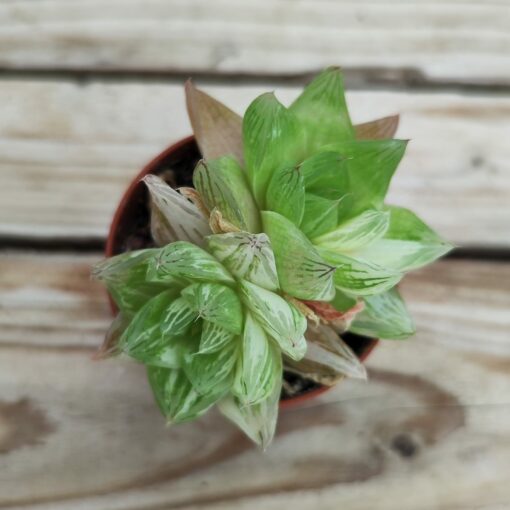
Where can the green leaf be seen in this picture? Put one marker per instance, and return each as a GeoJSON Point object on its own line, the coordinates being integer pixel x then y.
{"type": "Point", "coordinates": [214, 371]}
{"type": "Point", "coordinates": [214, 337]}
{"type": "Point", "coordinates": [280, 319]}
{"type": "Point", "coordinates": [223, 185]}
{"type": "Point", "coordinates": [321, 215]}
{"type": "Point", "coordinates": [125, 278]}
{"type": "Point", "coordinates": [322, 110]}
{"type": "Point", "coordinates": [301, 270]}
{"type": "Point", "coordinates": [173, 217]}
{"type": "Point", "coordinates": [177, 318]}
{"type": "Point", "coordinates": [384, 316]}
{"type": "Point", "coordinates": [144, 340]}
{"type": "Point", "coordinates": [326, 175]}
{"type": "Point", "coordinates": [358, 277]}
{"type": "Point", "coordinates": [259, 366]}
{"type": "Point", "coordinates": [370, 167]}
{"type": "Point", "coordinates": [216, 303]}
{"type": "Point", "coordinates": [356, 232]}
{"type": "Point", "coordinates": [286, 194]}
{"type": "Point", "coordinates": [247, 256]}
{"type": "Point", "coordinates": [258, 421]}
{"type": "Point", "coordinates": [272, 139]}
{"type": "Point", "coordinates": [408, 244]}
{"type": "Point", "coordinates": [176, 397]}
{"type": "Point", "coordinates": [217, 129]}
{"type": "Point", "coordinates": [185, 260]}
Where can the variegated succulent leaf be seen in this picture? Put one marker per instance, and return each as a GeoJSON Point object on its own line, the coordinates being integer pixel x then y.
{"type": "Point", "coordinates": [281, 320]}
{"type": "Point", "coordinates": [175, 395]}
{"type": "Point", "coordinates": [259, 366]}
{"type": "Point", "coordinates": [125, 278]}
{"type": "Point", "coordinates": [273, 139]}
{"type": "Point", "coordinates": [384, 316]}
{"type": "Point", "coordinates": [302, 272]}
{"type": "Point", "coordinates": [185, 261]}
{"type": "Point", "coordinates": [257, 421]}
{"type": "Point", "coordinates": [216, 303]}
{"type": "Point", "coordinates": [322, 111]}
{"type": "Point", "coordinates": [360, 278]}
{"type": "Point", "coordinates": [149, 339]}
{"type": "Point", "coordinates": [407, 244]}
{"type": "Point", "coordinates": [246, 256]}
{"type": "Point", "coordinates": [223, 186]}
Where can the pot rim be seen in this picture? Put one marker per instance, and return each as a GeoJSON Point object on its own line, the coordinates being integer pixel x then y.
{"type": "Point", "coordinates": [110, 245]}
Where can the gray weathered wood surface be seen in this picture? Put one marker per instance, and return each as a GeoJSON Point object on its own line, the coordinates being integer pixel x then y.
{"type": "Point", "coordinates": [464, 41]}
{"type": "Point", "coordinates": [89, 92]}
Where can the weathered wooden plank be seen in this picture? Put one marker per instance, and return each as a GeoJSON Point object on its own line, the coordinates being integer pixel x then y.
{"type": "Point", "coordinates": [430, 429]}
{"type": "Point", "coordinates": [67, 151]}
{"type": "Point", "coordinates": [464, 41]}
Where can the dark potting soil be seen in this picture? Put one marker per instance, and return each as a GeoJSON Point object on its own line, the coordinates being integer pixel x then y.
{"type": "Point", "coordinates": [133, 233]}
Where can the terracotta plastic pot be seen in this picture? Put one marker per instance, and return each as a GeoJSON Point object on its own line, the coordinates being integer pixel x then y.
{"type": "Point", "coordinates": [132, 215]}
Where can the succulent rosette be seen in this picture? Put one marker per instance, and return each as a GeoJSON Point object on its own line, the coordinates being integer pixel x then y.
{"type": "Point", "coordinates": [210, 323]}
{"type": "Point", "coordinates": [283, 243]}
{"type": "Point", "coordinates": [319, 183]}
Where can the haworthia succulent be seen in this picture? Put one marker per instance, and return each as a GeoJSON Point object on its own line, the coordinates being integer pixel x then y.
{"type": "Point", "coordinates": [214, 337]}
{"type": "Point", "coordinates": [125, 277]}
{"type": "Point", "coordinates": [177, 318]}
{"type": "Point", "coordinates": [408, 244]}
{"type": "Point", "coordinates": [322, 111]}
{"type": "Point", "coordinates": [223, 185]}
{"type": "Point", "coordinates": [176, 397]}
{"type": "Point", "coordinates": [384, 316]}
{"type": "Point", "coordinates": [302, 272]}
{"type": "Point", "coordinates": [144, 339]}
{"type": "Point", "coordinates": [272, 139]}
{"type": "Point", "coordinates": [247, 256]}
{"type": "Point", "coordinates": [259, 366]}
{"type": "Point", "coordinates": [186, 261]}
{"type": "Point", "coordinates": [218, 309]}
{"type": "Point", "coordinates": [213, 371]}
{"type": "Point", "coordinates": [286, 193]}
{"type": "Point", "coordinates": [257, 421]}
{"type": "Point", "coordinates": [325, 174]}
{"type": "Point", "coordinates": [360, 278]}
{"type": "Point", "coordinates": [355, 233]}
{"type": "Point", "coordinates": [216, 303]}
{"type": "Point", "coordinates": [321, 214]}
{"type": "Point", "coordinates": [280, 319]}
{"type": "Point", "coordinates": [370, 165]}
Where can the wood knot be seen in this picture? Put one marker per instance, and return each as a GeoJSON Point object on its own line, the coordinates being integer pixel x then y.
{"type": "Point", "coordinates": [404, 445]}
{"type": "Point", "coordinates": [22, 424]}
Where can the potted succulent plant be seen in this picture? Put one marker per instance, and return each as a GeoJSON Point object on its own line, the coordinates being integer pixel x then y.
{"type": "Point", "coordinates": [257, 261]}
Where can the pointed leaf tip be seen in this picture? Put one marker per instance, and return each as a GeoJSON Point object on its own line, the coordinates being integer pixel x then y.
{"type": "Point", "coordinates": [379, 129]}
{"type": "Point", "coordinates": [217, 129]}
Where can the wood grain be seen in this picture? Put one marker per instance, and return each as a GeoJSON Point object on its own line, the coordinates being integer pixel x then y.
{"type": "Point", "coordinates": [430, 429]}
{"type": "Point", "coordinates": [67, 151]}
{"type": "Point", "coordinates": [463, 41]}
